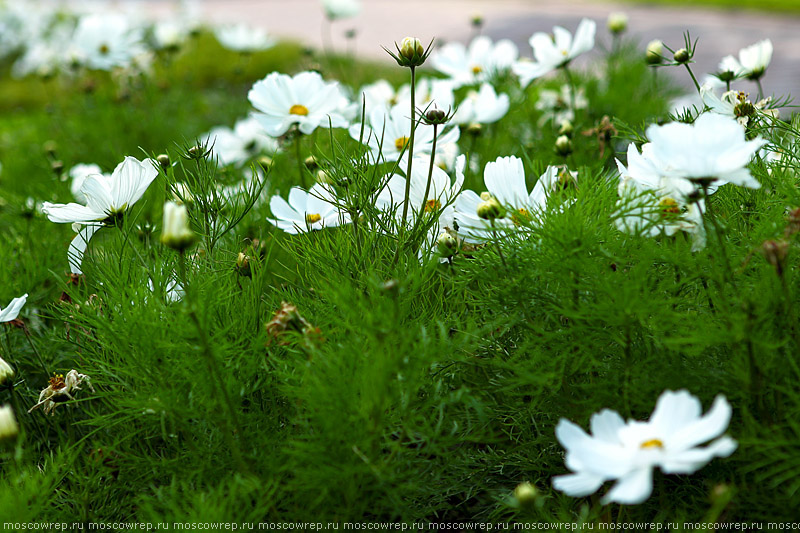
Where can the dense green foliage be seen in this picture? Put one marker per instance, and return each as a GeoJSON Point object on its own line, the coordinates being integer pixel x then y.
{"type": "Point", "coordinates": [431, 389]}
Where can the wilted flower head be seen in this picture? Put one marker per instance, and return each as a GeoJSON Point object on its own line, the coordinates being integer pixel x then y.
{"type": "Point", "coordinates": [60, 390]}
{"type": "Point", "coordinates": [288, 319]}
{"type": "Point", "coordinates": [628, 452]}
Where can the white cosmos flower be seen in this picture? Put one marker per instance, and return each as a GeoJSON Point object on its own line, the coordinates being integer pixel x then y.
{"type": "Point", "coordinates": [106, 41]}
{"type": "Point", "coordinates": [339, 9]}
{"type": "Point", "coordinates": [752, 63]}
{"type": "Point", "coordinates": [713, 147]}
{"type": "Point", "coordinates": [387, 134]}
{"type": "Point", "coordinates": [305, 211]}
{"type": "Point", "coordinates": [240, 144]}
{"type": "Point", "coordinates": [304, 99]}
{"type": "Point", "coordinates": [483, 106]}
{"type": "Point", "coordinates": [170, 33]}
{"type": "Point", "coordinates": [79, 173]}
{"type": "Point", "coordinates": [244, 38]}
{"type": "Point", "coordinates": [628, 452]}
{"type": "Point", "coordinates": [13, 308]}
{"type": "Point", "coordinates": [505, 181]}
{"type": "Point", "coordinates": [733, 104]}
{"type": "Point", "coordinates": [479, 63]}
{"type": "Point", "coordinates": [438, 202]}
{"type": "Point", "coordinates": [553, 51]}
{"type": "Point", "coordinates": [107, 196]}
{"type": "Point", "coordinates": [652, 204]}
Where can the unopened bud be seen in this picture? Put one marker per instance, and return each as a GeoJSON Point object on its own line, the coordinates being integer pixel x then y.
{"type": "Point", "coordinates": [474, 129]}
{"type": "Point", "coordinates": [9, 428]}
{"type": "Point", "coordinates": [681, 55]}
{"type": "Point", "coordinates": [654, 50]}
{"type": "Point", "coordinates": [525, 493]}
{"type": "Point", "coordinates": [323, 177]}
{"type": "Point", "coordinates": [565, 128]}
{"type": "Point", "coordinates": [163, 160]}
{"type": "Point", "coordinates": [6, 372]}
{"type": "Point", "coordinates": [311, 163]}
{"type": "Point", "coordinates": [264, 162]}
{"type": "Point", "coordinates": [447, 244]}
{"type": "Point", "coordinates": [50, 148]}
{"type": "Point", "coordinates": [476, 20]}
{"type": "Point", "coordinates": [490, 209]}
{"type": "Point", "coordinates": [57, 166]}
{"type": "Point", "coordinates": [563, 146]}
{"type": "Point", "coordinates": [436, 116]}
{"type": "Point", "coordinates": [175, 231]}
{"type": "Point", "coordinates": [197, 152]}
{"type": "Point", "coordinates": [617, 23]}
{"type": "Point", "coordinates": [411, 53]}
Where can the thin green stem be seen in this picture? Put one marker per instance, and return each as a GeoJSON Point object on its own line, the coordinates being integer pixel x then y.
{"type": "Point", "coordinates": [497, 243]}
{"type": "Point", "coordinates": [410, 156]}
{"type": "Point", "coordinates": [697, 85]}
{"type": "Point", "coordinates": [571, 83]}
{"type": "Point", "coordinates": [299, 159]}
{"type": "Point", "coordinates": [760, 89]}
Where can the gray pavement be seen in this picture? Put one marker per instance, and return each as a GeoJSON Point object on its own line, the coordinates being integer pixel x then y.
{"type": "Point", "coordinates": [382, 22]}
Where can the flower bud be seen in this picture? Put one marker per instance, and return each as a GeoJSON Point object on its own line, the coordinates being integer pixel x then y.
{"type": "Point", "coordinates": [476, 20]}
{"type": "Point", "coordinates": [57, 166]}
{"type": "Point", "coordinates": [491, 209]}
{"type": "Point", "coordinates": [197, 152]}
{"type": "Point", "coordinates": [311, 163]}
{"type": "Point", "coordinates": [486, 195]}
{"type": "Point", "coordinates": [9, 428]}
{"type": "Point", "coordinates": [243, 265]}
{"type": "Point", "coordinates": [175, 231]}
{"type": "Point", "coordinates": [525, 493]}
{"type": "Point", "coordinates": [654, 50]}
{"type": "Point", "coordinates": [265, 162]}
{"type": "Point", "coordinates": [410, 53]}
{"type": "Point", "coordinates": [474, 129]}
{"type": "Point", "coordinates": [163, 160]}
{"type": "Point", "coordinates": [50, 148]}
{"type": "Point", "coordinates": [447, 244]}
{"type": "Point", "coordinates": [681, 55]}
{"type": "Point", "coordinates": [563, 146]}
{"type": "Point", "coordinates": [436, 116]}
{"type": "Point", "coordinates": [411, 47]}
{"type": "Point", "coordinates": [617, 23]}
{"type": "Point", "coordinates": [6, 372]}
{"type": "Point", "coordinates": [565, 128]}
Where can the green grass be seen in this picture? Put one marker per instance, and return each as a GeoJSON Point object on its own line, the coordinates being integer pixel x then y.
{"type": "Point", "coordinates": [431, 390]}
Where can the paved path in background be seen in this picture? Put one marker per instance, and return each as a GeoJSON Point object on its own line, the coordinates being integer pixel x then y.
{"type": "Point", "coordinates": [384, 21]}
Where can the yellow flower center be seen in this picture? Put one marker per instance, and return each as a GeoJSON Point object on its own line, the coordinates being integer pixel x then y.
{"type": "Point", "coordinates": [313, 217]}
{"type": "Point", "coordinates": [652, 443]}
{"type": "Point", "coordinates": [520, 216]}
{"type": "Point", "coordinates": [432, 205]}
{"type": "Point", "coordinates": [400, 143]}
{"type": "Point", "coordinates": [564, 52]}
{"type": "Point", "coordinates": [669, 208]}
{"type": "Point", "coordinates": [104, 49]}
{"type": "Point", "coordinates": [298, 109]}
{"type": "Point", "coordinates": [477, 69]}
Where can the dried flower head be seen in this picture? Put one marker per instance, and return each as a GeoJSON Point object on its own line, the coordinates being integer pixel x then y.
{"type": "Point", "coordinates": [60, 389]}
